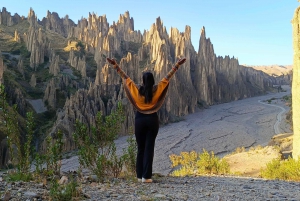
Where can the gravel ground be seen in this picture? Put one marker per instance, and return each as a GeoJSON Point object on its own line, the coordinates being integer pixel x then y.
{"type": "Point", "coordinates": [216, 188]}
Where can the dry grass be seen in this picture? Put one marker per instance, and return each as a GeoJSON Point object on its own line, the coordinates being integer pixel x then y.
{"type": "Point", "coordinates": [70, 46]}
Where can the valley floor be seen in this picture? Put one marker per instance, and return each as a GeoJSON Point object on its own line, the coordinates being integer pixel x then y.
{"type": "Point", "coordinates": [221, 129]}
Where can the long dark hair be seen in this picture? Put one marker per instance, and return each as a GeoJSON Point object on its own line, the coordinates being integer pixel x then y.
{"type": "Point", "coordinates": [146, 88]}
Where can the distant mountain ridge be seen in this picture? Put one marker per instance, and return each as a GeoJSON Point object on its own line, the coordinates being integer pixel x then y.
{"type": "Point", "coordinates": [274, 70]}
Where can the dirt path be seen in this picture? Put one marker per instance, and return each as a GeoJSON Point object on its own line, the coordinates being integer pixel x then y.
{"type": "Point", "coordinates": [279, 115]}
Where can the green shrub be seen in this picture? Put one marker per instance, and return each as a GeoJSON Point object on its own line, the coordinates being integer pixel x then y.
{"type": "Point", "coordinates": [192, 163]}
{"type": "Point", "coordinates": [285, 170]}
{"type": "Point", "coordinates": [129, 155]}
{"type": "Point", "coordinates": [53, 154]}
{"type": "Point", "coordinates": [20, 151]}
{"type": "Point", "coordinates": [19, 176]}
{"type": "Point", "coordinates": [65, 192]}
{"type": "Point", "coordinates": [96, 147]}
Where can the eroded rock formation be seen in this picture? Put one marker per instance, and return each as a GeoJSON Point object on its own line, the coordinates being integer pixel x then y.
{"type": "Point", "coordinates": [33, 81]}
{"type": "Point", "coordinates": [54, 68]}
{"type": "Point", "coordinates": [204, 79]}
{"type": "Point", "coordinates": [78, 63]}
{"type": "Point", "coordinates": [58, 85]}
{"type": "Point", "coordinates": [8, 20]}
{"type": "Point", "coordinates": [36, 41]}
{"type": "Point", "coordinates": [21, 67]}
{"type": "Point", "coordinates": [17, 37]}
{"type": "Point", "coordinates": [53, 22]}
{"type": "Point", "coordinates": [1, 68]}
{"type": "Point", "coordinates": [296, 84]}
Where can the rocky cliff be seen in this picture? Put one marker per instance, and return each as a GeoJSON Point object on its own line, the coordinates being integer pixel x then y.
{"type": "Point", "coordinates": [79, 63]}
{"type": "Point", "coordinates": [53, 22]}
{"type": "Point", "coordinates": [296, 84]}
{"type": "Point", "coordinates": [36, 41]}
{"type": "Point", "coordinates": [7, 19]}
{"type": "Point", "coordinates": [283, 73]}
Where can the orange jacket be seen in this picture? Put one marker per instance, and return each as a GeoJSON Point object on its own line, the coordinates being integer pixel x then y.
{"type": "Point", "coordinates": [137, 100]}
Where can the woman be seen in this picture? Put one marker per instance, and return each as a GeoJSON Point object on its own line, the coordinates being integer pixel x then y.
{"type": "Point", "coordinates": [146, 99]}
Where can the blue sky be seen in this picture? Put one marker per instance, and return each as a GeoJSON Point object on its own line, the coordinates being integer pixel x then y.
{"type": "Point", "coordinates": [257, 32]}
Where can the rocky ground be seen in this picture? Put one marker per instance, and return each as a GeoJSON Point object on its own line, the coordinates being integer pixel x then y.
{"type": "Point", "coordinates": [217, 188]}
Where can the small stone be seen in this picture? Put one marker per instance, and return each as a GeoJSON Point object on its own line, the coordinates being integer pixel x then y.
{"type": "Point", "coordinates": [94, 184]}
{"type": "Point", "coordinates": [86, 195]}
{"type": "Point", "coordinates": [29, 194]}
{"type": "Point", "coordinates": [93, 178]}
{"type": "Point", "coordinates": [159, 196]}
{"type": "Point", "coordinates": [63, 180]}
{"type": "Point", "coordinates": [6, 196]}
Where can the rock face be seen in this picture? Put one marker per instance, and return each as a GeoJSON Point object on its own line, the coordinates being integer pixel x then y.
{"type": "Point", "coordinates": [17, 37]}
{"type": "Point", "coordinates": [21, 67]}
{"type": "Point", "coordinates": [54, 23]}
{"type": "Point", "coordinates": [1, 68]}
{"type": "Point", "coordinates": [36, 41]}
{"type": "Point", "coordinates": [78, 63]}
{"type": "Point", "coordinates": [8, 20]}
{"type": "Point", "coordinates": [283, 73]}
{"type": "Point", "coordinates": [33, 80]}
{"type": "Point", "coordinates": [54, 67]}
{"type": "Point", "coordinates": [296, 84]}
{"type": "Point", "coordinates": [58, 86]}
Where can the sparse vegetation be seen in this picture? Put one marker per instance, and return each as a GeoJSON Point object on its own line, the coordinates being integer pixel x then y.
{"type": "Point", "coordinates": [64, 192]}
{"type": "Point", "coordinates": [129, 155]}
{"type": "Point", "coordinates": [285, 170]}
{"type": "Point", "coordinates": [192, 163]}
{"type": "Point", "coordinates": [97, 150]}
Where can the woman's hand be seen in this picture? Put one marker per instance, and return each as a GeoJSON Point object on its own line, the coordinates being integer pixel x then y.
{"type": "Point", "coordinates": [181, 61]}
{"type": "Point", "coordinates": [111, 61]}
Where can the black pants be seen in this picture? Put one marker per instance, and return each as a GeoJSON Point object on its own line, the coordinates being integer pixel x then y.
{"type": "Point", "coordinates": [146, 129]}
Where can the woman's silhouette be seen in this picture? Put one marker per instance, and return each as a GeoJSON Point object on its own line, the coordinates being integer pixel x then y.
{"type": "Point", "coordinates": [146, 99]}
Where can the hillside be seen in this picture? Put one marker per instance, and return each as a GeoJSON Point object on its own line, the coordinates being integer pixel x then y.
{"type": "Point", "coordinates": [284, 72]}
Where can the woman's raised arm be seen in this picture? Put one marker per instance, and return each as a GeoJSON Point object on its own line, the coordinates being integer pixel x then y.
{"type": "Point", "coordinates": [175, 68]}
{"type": "Point", "coordinates": [116, 66]}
